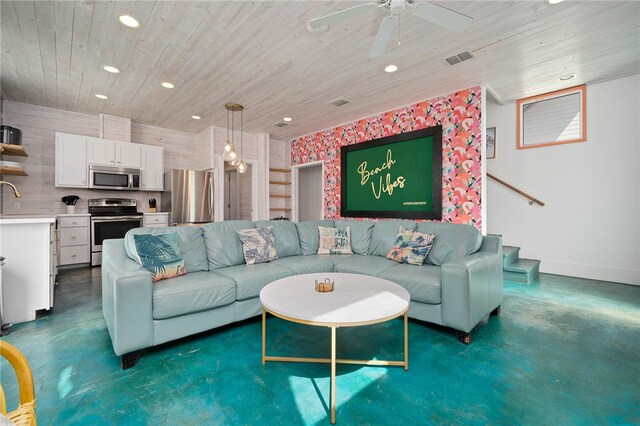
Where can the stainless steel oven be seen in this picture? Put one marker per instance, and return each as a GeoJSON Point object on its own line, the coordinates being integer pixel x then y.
{"type": "Point", "coordinates": [111, 218]}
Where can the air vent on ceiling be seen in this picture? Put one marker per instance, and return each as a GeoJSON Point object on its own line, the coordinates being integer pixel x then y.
{"type": "Point", "coordinates": [339, 102]}
{"type": "Point", "coordinates": [280, 124]}
{"type": "Point", "coordinates": [460, 57]}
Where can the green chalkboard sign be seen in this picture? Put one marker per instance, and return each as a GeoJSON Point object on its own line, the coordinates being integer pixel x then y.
{"type": "Point", "coordinates": [398, 176]}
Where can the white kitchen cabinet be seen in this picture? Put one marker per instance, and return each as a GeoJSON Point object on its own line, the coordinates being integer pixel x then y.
{"type": "Point", "coordinates": [27, 276]}
{"type": "Point", "coordinates": [106, 152]}
{"type": "Point", "coordinates": [152, 178]}
{"type": "Point", "coordinates": [155, 220]}
{"type": "Point", "coordinates": [71, 161]}
{"type": "Point", "coordinates": [73, 239]}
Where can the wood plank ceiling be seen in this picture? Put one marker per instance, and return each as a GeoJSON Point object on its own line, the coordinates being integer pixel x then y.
{"type": "Point", "coordinates": [259, 54]}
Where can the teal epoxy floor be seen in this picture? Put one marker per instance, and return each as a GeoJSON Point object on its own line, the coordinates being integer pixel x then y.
{"type": "Point", "coordinates": [564, 351]}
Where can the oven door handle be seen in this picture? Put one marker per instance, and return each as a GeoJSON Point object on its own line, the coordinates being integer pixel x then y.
{"type": "Point", "coordinates": [115, 218]}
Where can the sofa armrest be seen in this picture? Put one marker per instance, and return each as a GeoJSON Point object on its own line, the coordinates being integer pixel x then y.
{"type": "Point", "coordinates": [127, 299]}
{"type": "Point", "coordinates": [472, 286]}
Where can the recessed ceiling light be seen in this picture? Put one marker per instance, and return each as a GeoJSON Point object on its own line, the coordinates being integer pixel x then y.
{"type": "Point", "coordinates": [109, 68]}
{"type": "Point", "coordinates": [129, 21]}
{"type": "Point", "coordinates": [287, 119]}
{"type": "Point", "coordinates": [196, 117]}
{"type": "Point", "coordinates": [168, 85]}
{"type": "Point", "coordinates": [567, 77]}
{"type": "Point", "coordinates": [555, 1]}
{"type": "Point", "coordinates": [99, 96]}
{"type": "Point", "coordinates": [391, 68]}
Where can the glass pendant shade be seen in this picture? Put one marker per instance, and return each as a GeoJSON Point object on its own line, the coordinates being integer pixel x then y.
{"type": "Point", "coordinates": [233, 157]}
{"type": "Point", "coordinates": [227, 151]}
{"type": "Point", "coordinates": [242, 167]}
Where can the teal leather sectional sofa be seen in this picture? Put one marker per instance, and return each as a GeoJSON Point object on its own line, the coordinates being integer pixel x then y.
{"type": "Point", "coordinates": [459, 286]}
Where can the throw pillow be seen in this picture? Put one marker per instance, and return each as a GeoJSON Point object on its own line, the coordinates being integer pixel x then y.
{"type": "Point", "coordinates": [400, 245]}
{"type": "Point", "coordinates": [334, 240]}
{"type": "Point", "coordinates": [160, 255]}
{"type": "Point", "coordinates": [411, 247]}
{"type": "Point", "coordinates": [258, 245]}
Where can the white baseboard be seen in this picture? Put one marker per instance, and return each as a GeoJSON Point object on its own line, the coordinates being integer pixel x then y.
{"type": "Point", "coordinates": [593, 272]}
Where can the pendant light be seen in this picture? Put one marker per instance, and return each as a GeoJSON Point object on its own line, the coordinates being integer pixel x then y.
{"type": "Point", "coordinates": [226, 155]}
{"type": "Point", "coordinates": [242, 165]}
{"type": "Point", "coordinates": [229, 153]}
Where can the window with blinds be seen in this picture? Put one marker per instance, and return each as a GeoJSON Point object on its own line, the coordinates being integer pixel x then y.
{"type": "Point", "coordinates": [553, 118]}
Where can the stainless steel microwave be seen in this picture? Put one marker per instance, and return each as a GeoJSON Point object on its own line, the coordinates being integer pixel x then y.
{"type": "Point", "coordinates": [118, 178]}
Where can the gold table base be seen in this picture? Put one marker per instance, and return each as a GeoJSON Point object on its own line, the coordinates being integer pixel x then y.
{"type": "Point", "coordinates": [333, 360]}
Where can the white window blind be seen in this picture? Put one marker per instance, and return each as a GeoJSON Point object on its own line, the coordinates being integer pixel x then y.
{"type": "Point", "coordinates": [552, 120]}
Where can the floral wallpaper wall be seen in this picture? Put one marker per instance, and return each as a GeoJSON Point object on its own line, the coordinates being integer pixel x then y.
{"type": "Point", "coordinates": [459, 114]}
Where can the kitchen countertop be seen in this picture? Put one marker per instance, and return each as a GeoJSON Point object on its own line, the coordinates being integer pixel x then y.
{"type": "Point", "coordinates": [25, 219]}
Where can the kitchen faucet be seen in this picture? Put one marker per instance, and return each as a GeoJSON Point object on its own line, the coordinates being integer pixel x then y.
{"type": "Point", "coordinates": [15, 190]}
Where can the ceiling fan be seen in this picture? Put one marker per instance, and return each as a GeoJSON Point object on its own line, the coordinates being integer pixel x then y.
{"type": "Point", "coordinates": [437, 14]}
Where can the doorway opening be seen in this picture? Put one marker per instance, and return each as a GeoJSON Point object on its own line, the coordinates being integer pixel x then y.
{"type": "Point", "coordinates": [310, 192]}
{"type": "Point", "coordinates": [238, 193]}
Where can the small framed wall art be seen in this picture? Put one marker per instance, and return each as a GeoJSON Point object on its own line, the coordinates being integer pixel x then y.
{"type": "Point", "coordinates": [491, 142]}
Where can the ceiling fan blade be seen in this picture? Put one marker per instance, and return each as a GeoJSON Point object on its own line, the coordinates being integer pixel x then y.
{"type": "Point", "coordinates": [444, 17]}
{"type": "Point", "coordinates": [382, 37]}
{"type": "Point", "coordinates": [341, 14]}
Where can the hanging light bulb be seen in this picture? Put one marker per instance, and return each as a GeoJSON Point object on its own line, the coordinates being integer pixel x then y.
{"type": "Point", "coordinates": [233, 157]}
{"type": "Point", "coordinates": [227, 146]}
{"type": "Point", "coordinates": [241, 166]}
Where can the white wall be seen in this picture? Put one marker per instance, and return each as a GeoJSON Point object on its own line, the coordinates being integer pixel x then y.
{"type": "Point", "coordinates": [589, 226]}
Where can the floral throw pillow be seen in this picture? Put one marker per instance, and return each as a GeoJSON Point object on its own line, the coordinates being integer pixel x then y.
{"type": "Point", "coordinates": [334, 240]}
{"type": "Point", "coordinates": [258, 245]}
{"type": "Point", "coordinates": [159, 254]}
{"type": "Point", "coordinates": [411, 247]}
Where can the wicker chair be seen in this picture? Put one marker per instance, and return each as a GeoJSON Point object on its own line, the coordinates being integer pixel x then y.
{"type": "Point", "coordinates": [25, 414]}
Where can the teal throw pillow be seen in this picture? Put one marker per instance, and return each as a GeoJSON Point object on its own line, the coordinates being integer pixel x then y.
{"type": "Point", "coordinates": [159, 254]}
{"type": "Point", "coordinates": [258, 245]}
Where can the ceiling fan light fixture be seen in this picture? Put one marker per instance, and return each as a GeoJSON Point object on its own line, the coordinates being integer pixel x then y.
{"type": "Point", "coordinates": [391, 68]}
{"type": "Point", "coordinates": [129, 21]}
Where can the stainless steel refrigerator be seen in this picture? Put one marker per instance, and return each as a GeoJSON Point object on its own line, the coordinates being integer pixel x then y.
{"type": "Point", "coordinates": [188, 196]}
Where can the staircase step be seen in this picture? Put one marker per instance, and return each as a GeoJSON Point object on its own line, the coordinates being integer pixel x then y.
{"type": "Point", "coordinates": [510, 254]}
{"type": "Point", "coordinates": [522, 270]}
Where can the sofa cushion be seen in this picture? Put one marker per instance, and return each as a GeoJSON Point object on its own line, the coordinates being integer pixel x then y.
{"type": "Point", "coordinates": [334, 240]}
{"type": "Point", "coordinates": [384, 234]}
{"type": "Point", "coordinates": [286, 234]}
{"type": "Point", "coordinates": [258, 245]}
{"type": "Point", "coordinates": [367, 265]}
{"type": "Point", "coordinates": [160, 255]}
{"type": "Point", "coordinates": [309, 236]}
{"type": "Point", "coordinates": [223, 244]}
{"type": "Point", "coordinates": [361, 231]}
{"type": "Point", "coordinates": [191, 293]}
{"type": "Point", "coordinates": [452, 241]}
{"type": "Point", "coordinates": [190, 241]}
{"type": "Point", "coordinates": [306, 264]}
{"type": "Point", "coordinates": [251, 278]}
{"type": "Point", "coordinates": [422, 282]}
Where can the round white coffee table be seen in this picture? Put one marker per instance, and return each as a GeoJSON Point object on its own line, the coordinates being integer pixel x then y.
{"type": "Point", "coordinates": [356, 300]}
